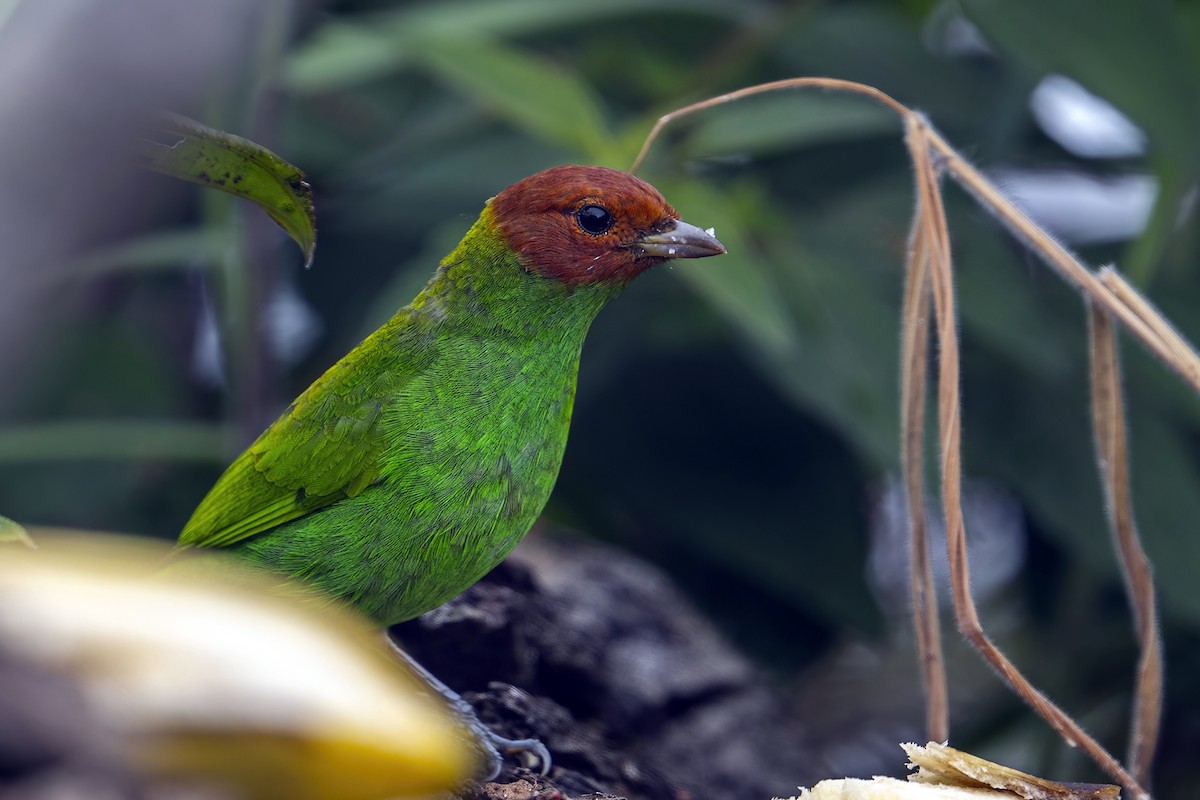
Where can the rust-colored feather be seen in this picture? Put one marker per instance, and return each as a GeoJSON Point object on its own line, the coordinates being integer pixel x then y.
{"type": "Point", "coordinates": [537, 217]}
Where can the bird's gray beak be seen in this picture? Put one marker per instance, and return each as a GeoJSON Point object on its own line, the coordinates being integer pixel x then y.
{"type": "Point", "coordinates": [681, 240]}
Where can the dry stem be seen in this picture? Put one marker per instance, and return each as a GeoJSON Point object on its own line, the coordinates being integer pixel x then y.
{"type": "Point", "coordinates": [929, 269]}
{"type": "Point", "coordinates": [1108, 419]}
{"type": "Point", "coordinates": [914, 371]}
{"type": "Point", "coordinates": [950, 437]}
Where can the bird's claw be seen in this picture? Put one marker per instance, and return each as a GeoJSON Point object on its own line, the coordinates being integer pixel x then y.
{"type": "Point", "coordinates": [493, 745]}
{"type": "Point", "coordinates": [532, 752]}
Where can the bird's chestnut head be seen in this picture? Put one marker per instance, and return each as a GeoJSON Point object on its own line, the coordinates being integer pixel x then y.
{"type": "Point", "coordinates": [582, 225]}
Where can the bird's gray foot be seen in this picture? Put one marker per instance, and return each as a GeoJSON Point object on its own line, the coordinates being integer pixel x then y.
{"type": "Point", "coordinates": [533, 753]}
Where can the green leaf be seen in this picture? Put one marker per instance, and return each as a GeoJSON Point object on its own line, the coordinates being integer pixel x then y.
{"type": "Point", "coordinates": [11, 532]}
{"type": "Point", "coordinates": [1141, 57]}
{"type": "Point", "coordinates": [1172, 208]}
{"type": "Point", "coordinates": [240, 167]}
{"type": "Point", "coordinates": [1165, 476]}
{"type": "Point", "coordinates": [343, 53]}
{"type": "Point", "coordinates": [523, 17]}
{"type": "Point", "coordinates": [786, 122]}
{"type": "Point", "coordinates": [115, 441]}
{"type": "Point", "coordinates": [1093, 41]}
{"type": "Point", "coordinates": [739, 286]}
{"type": "Point", "coordinates": [545, 99]}
{"type": "Point", "coordinates": [784, 299]}
{"type": "Point", "coordinates": [184, 247]}
{"type": "Point", "coordinates": [1015, 315]}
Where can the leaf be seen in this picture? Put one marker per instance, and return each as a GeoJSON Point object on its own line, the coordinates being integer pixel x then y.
{"type": "Point", "coordinates": [1165, 475]}
{"type": "Point", "coordinates": [11, 532]}
{"type": "Point", "coordinates": [1093, 41]}
{"type": "Point", "coordinates": [1011, 313]}
{"type": "Point", "coordinates": [790, 304]}
{"type": "Point", "coordinates": [345, 53]}
{"type": "Point", "coordinates": [523, 17]}
{"type": "Point", "coordinates": [240, 167]}
{"type": "Point", "coordinates": [183, 247]}
{"type": "Point", "coordinates": [114, 441]}
{"type": "Point", "coordinates": [739, 286]}
{"type": "Point", "coordinates": [542, 98]}
{"type": "Point", "coordinates": [788, 121]}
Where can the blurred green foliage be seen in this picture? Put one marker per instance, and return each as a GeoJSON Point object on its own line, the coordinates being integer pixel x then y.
{"type": "Point", "coordinates": [733, 415]}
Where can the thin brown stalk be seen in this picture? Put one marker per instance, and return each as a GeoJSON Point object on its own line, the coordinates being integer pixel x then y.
{"type": "Point", "coordinates": [950, 436]}
{"type": "Point", "coordinates": [1178, 348]}
{"type": "Point", "coordinates": [1107, 291]}
{"type": "Point", "coordinates": [1108, 420]}
{"type": "Point", "coordinates": [1174, 351]}
{"type": "Point", "coordinates": [765, 88]}
{"type": "Point", "coordinates": [914, 362]}
{"type": "Point", "coordinates": [1126, 304]}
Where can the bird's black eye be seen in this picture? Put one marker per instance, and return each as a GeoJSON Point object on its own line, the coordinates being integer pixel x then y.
{"type": "Point", "coordinates": [594, 219]}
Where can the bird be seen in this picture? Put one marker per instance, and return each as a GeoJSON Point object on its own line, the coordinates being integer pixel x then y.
{"type": "Point", "coordinates": [418, 461]}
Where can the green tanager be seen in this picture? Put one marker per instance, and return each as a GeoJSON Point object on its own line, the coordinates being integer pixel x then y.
{"type": "Point", "coordinates": [417, 462]}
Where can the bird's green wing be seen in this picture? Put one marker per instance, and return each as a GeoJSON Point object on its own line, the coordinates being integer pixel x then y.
{"type": "Point", "coordinates": [326, 446]}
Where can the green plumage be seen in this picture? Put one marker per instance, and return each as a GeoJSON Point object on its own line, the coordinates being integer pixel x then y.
{"type": "Point", "coordinates": [416, 463]}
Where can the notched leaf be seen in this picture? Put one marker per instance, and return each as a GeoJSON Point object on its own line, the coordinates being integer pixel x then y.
{"type": "Point", "coordinates": [194, 152]}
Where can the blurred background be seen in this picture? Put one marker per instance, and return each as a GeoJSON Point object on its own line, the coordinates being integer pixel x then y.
{"type": "Point", "coordinates": [737, 419]}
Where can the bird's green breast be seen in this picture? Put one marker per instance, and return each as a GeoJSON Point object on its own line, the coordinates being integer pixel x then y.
{"type": "Point", "coordinates": [469, 445]}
